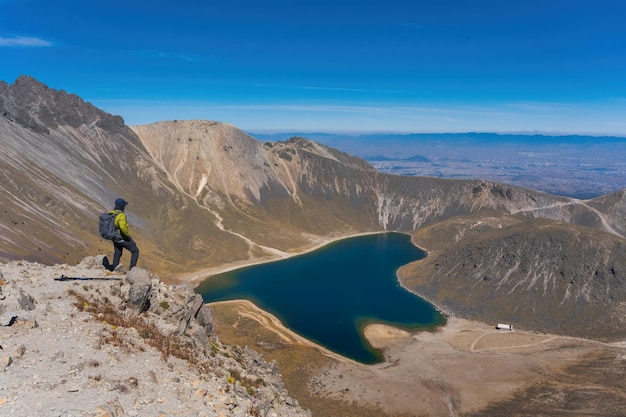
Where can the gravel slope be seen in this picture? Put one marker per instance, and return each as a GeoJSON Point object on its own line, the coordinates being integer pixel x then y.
{"type": "Point", "coordinates": [60, 356]}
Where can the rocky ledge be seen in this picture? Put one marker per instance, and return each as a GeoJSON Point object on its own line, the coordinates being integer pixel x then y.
{"type": "Point", "coordinates": [82, 341]}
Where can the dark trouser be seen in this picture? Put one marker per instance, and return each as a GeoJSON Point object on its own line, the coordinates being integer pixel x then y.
{"type": "Point", "coordinates": [129, 245]}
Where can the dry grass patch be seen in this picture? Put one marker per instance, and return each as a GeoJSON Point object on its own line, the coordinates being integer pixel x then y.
{"type": "Point", "coordinates": [167, 344]}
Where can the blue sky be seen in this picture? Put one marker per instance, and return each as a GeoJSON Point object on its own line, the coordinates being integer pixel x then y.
{"type": "Point", "coordinates": [335, 66]}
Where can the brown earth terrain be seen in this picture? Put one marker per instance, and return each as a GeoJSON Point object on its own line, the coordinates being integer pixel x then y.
{"type": "Point", "coordinates": [465, 368]}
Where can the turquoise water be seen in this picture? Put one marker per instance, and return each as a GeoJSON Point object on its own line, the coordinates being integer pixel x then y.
{"type": "Point", "coordinates": [330, 294]}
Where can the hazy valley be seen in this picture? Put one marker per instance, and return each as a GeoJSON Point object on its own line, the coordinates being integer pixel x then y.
{"type": "Point", "coordinates": [576, 166]}
{"type": "Point", "coordinates": [205, 196]}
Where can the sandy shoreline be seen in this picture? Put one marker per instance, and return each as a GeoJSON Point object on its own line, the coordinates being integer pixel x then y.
{"type": "Point", "coordinates": [457, 332]}
{"type": "Point", "coordinates": [460, 367]}
{"type": "Point", "coordinates": [248, 309]}
{"type": "Point", "coordinates": [380, 336]}
{"type": "Point", "coordinates": [195, 278]}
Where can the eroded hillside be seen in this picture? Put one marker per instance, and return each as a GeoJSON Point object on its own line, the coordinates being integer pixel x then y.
{"type": "Point", "coordinates": [219, 165]}
{"type": "Point", "coordinates": [64, 161]}
{"type": "Point", "coordinates": [613, 206]}
{"type": "Point", "coordinates": [536, 274]}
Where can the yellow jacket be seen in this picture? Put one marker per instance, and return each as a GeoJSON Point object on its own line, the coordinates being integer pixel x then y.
{"type": "Point", "coordinates": [121, 224]}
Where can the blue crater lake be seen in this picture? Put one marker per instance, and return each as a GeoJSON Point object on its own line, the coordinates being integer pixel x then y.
{"type": "Point", "coordinates": [330, 295]}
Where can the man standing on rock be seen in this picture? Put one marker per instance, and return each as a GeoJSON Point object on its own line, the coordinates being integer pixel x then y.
{"type": "Point", "coordinates": [125, 242]}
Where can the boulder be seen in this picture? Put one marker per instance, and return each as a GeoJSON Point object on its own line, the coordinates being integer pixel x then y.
{"type": "Point", "coordinates": [139, 296]}
{"type": "Point", "coordinates": [193, 304]}
{"type": "Point", "coordinates": [204, 317]}
{"type": "Point", "coordinates": [140, 287]}
{"type": "Point", "coordinates": [138, 275]}
{"type": "Point", "coordinates": [92, 262]}
{"type": "Point", "coordinates": [24, 300]}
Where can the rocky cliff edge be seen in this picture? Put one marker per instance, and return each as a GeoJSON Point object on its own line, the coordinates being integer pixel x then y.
{"type": "Point", "coordinates": [80, 340]}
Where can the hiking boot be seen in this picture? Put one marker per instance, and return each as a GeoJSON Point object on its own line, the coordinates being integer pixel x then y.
{"type": "Point", "coordinates": [106, 264]}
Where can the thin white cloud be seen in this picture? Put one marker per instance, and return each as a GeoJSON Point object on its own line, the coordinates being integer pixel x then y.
{"type": "Point", "coordinates": [24, 42]}
{"type": "Point", "coordinates": [508, 117]}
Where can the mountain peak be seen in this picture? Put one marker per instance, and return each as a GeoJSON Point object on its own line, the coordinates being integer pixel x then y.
{"type": "Point", "coordinates": [35, 106]}
{"type": "Point", "coordinates": [26, 81]}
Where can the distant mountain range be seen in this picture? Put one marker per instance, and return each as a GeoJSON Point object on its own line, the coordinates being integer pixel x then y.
{"type": "Point", "coordinates": [583, 167]}
{"type": "Point", "coordinates": [448, 139]}
{"type": "Point", "coordinates": [204, 195]}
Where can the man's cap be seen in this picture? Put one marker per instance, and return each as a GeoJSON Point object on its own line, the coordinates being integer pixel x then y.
{"type": "Point", "coordinates": [121, 202]}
